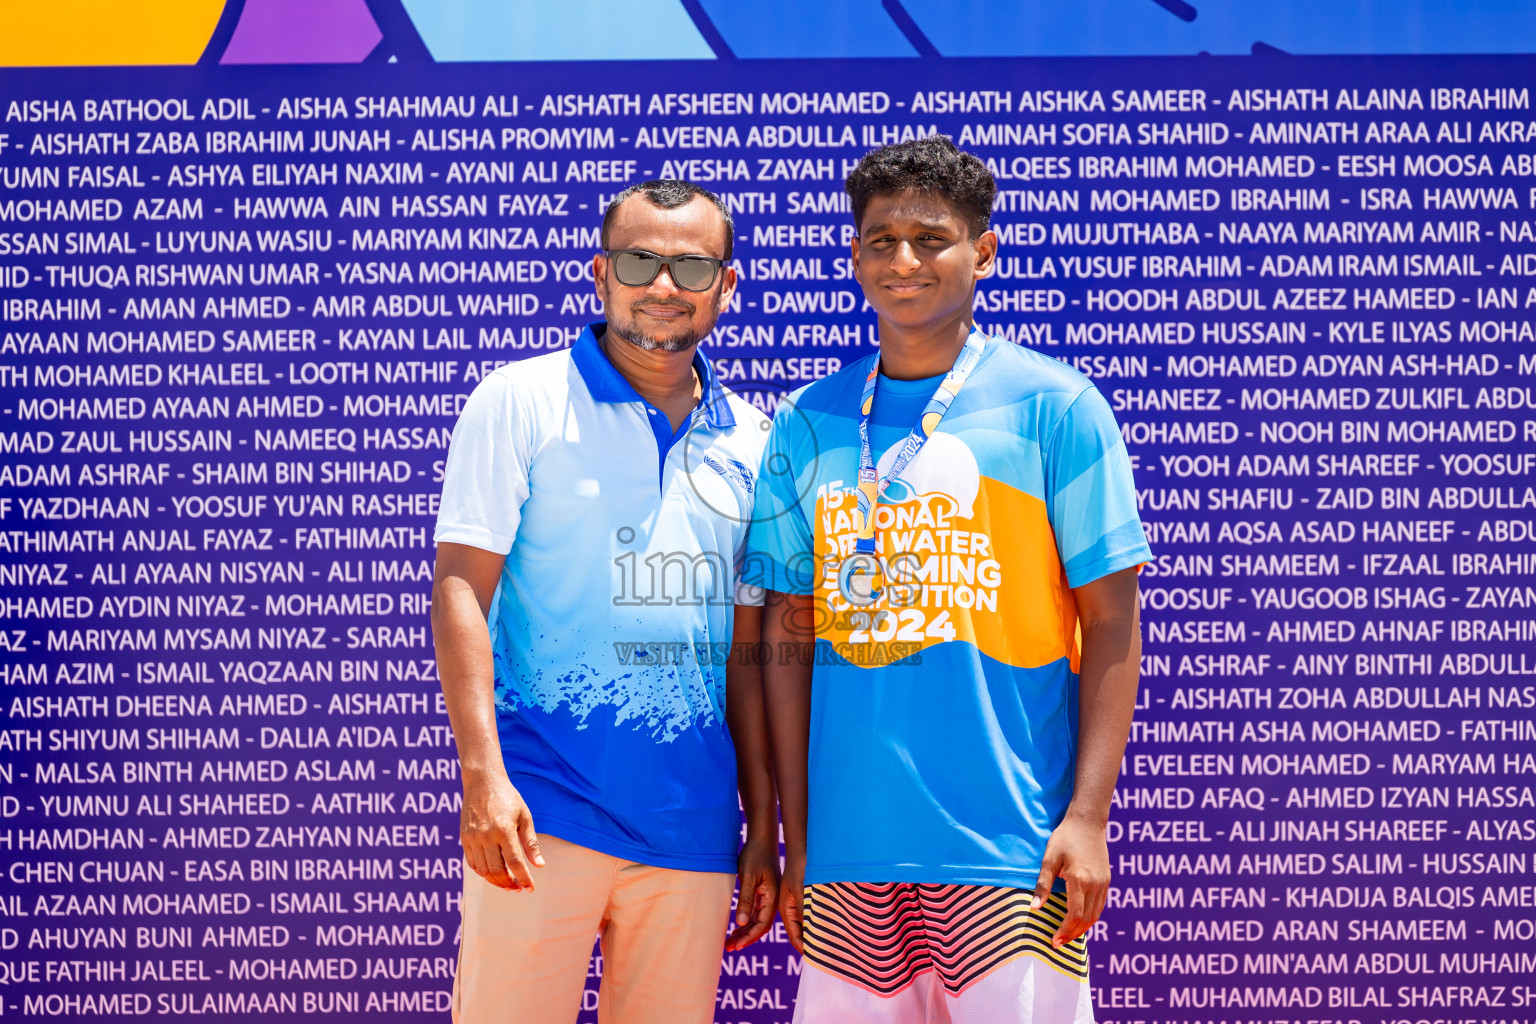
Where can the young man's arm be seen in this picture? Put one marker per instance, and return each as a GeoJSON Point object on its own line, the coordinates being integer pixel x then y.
{"type": "Point", "coordinates": [787, 630]}
{"type": "Point", "coordinates": [495, 825]}
{"type": "Point", "coordinates": [1108, 671]}
{"type": "Point", "coordinates": [757, 866]}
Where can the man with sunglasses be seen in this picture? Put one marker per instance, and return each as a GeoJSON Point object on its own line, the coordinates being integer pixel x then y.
{"type": "Point", "coordinates": [595, 507]}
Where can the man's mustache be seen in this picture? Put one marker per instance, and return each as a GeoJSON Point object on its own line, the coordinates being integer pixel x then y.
{"type": "Point", "coordinates": [666, 304]}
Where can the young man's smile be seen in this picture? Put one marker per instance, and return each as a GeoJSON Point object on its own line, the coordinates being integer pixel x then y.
{"type": "Point", "coordinates": [917, 260]}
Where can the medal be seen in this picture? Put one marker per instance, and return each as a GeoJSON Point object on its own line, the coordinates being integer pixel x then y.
{"type": "Point", "coordinates": [856, 579]}
{"type": "Point", "coordinates": [859, 575]}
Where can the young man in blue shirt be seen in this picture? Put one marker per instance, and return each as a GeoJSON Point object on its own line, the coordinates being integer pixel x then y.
{"type": "Point", "coordinates": [949, 534]}
{"type": "Point", "coordinates": [594, 514]}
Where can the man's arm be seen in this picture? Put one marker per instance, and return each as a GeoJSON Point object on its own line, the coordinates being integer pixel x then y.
{"type": "Point", "coordinates": [788, 631]}
{"type": "Point", "coordinates": [1108, 671]}
{"type": "Point", "coordinates": [495, 825]}
{"type": "Point", "coordinates": [757, 867]}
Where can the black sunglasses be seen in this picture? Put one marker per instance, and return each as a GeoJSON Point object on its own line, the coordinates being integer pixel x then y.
{"type": "Point", "coordinates": [637, 268]}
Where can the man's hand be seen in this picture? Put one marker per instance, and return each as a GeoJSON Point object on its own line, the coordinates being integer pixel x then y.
{"type": "Point", "coordinates": [757, 875]}
{"type": "Point", "coordinates": [1079, 853]}
{"type": "Point", "coordinates": [792, 901]}
{"type": "Point", "coordinates": [496, 828]}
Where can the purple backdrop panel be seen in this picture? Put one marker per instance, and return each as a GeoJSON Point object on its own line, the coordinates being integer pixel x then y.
{"type": "Point", "coordinates": [303, 32]}
{"type": "Point", "coordinates": [240, 309]}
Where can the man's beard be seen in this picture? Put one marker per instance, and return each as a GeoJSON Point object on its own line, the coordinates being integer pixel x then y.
{"type": "Point", "coordinates": [650, 343]}
{"type": "Point", "coordinates": [630, 331]}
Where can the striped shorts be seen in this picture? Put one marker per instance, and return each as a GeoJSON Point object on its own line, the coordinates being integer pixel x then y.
{"type": "Point", "coordinates": [906, 953]}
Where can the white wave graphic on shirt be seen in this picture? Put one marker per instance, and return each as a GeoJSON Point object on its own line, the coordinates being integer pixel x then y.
{"type": "Point", "coordinates": [665, 701]}
{"type": "Point", "coordinates": [945, 465]}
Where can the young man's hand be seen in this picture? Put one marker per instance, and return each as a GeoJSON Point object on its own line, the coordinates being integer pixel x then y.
{"type": "Point", "coordinates": [757, 875]}
{"type": "Point", "coordinates": [496, 828]}
{"type": "Point", "coordinates": [792, 901]}
{"type": "Point", "coordinates": [788, 631]}
{"type": "Point", "coordinates": [757, 865]}
{"type": "Point", "coordinates": [1079, 853]}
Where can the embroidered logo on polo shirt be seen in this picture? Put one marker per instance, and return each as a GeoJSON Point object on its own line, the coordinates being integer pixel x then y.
{"type": "Point", "coordinates": [732, 470]}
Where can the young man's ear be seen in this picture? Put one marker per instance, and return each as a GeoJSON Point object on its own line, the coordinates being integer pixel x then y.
{"type": "Point", "coordinates": [986, 254]}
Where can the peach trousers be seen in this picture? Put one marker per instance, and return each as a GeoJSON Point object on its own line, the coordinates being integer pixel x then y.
{"type": "Point", "coordinates": [525, 957]}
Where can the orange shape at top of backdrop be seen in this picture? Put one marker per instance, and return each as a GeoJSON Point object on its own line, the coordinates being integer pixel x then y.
{"type": "Point", "coordinates": [42, 33]}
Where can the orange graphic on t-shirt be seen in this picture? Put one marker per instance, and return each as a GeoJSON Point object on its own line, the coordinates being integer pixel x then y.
{"type": "Point", "coordinates": [992, 578]}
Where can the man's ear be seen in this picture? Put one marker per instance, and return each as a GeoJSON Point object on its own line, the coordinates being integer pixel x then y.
{"type": "Point", "coordinates": [727, 287]}
{"type": "Point", "coordinates": [986, 254]}
{"type": "Point", "coordinates": [600, 275]}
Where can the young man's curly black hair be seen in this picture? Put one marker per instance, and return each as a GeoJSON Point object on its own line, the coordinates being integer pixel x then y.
{"type": "Point", "coordinates": [934, 165]}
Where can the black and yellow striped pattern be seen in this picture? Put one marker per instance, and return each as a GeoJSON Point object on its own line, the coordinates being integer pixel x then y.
{"type": "Point", "coordinates": [881, 936]}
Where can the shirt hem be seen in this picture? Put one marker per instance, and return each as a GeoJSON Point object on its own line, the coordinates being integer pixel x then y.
{"type": "Point", "coordinates": [779, 586]}
{"type": "Point", "coordinates": [874, 874]}
{"type": "Point", "coordinates": [1110, 564]}
{"type": "Point", "coordinates": [482, 539]}
{"type": "Point", "coordinates": [602, 843]}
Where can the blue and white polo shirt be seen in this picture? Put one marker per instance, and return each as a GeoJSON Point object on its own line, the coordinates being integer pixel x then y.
{"type": "Point", "coordinates": [624, 541]}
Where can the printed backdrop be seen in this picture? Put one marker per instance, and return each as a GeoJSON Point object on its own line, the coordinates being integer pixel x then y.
{"type": "Point", "coordinates": [240, 308]}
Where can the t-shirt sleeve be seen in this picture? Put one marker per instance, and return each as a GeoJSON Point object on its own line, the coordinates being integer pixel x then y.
{"type": "Point", "coordinates": [748, 594]}
{"type": "Point", "coordinates": [486, 479]}
{"type": "Point", "coordinates": [1092, 493]}
{"type": "Point", "coordinates": [779, 551]}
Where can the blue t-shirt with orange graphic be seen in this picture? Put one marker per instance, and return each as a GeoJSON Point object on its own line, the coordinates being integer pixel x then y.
{"type": "Point", "coordinates": [944, 716]}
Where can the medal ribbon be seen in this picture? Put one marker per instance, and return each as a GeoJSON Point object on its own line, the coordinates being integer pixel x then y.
{"type": "Point", "coordinates": [870, 487]}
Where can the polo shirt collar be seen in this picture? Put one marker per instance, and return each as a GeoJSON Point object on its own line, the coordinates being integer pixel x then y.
{"type": "Point", "coordinates": [607, 384]}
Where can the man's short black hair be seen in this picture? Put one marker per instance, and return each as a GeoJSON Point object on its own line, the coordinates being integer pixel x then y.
{"type": "Point", "coordinates": [669, 194]}
{"type": "Point", "coordinates": [934, 165]}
